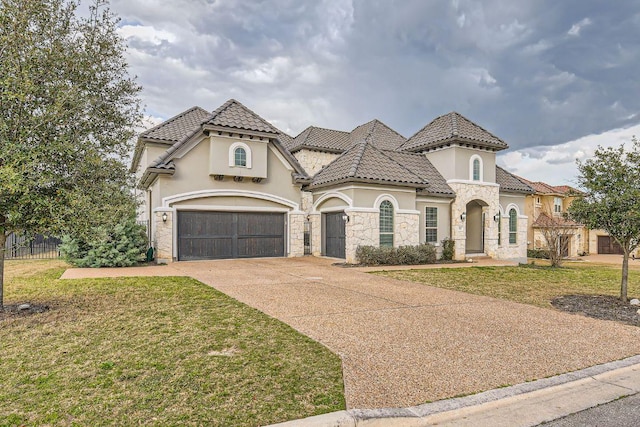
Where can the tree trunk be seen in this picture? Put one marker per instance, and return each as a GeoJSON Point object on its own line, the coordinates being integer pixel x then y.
{"type": "Point", "coordinates": [3, 239]}
{"type": "Point", "coordinates": [625, 276]}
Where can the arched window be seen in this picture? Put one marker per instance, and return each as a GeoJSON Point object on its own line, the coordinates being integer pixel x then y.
{"type": "Point", "coordinates": [240, 157]}
{"type": "Point", "coordinates": [475, 168]}
{"type": "Point", "coordinates": [513, 226]}
{"type": "Point", "coordinates": [386, 223]}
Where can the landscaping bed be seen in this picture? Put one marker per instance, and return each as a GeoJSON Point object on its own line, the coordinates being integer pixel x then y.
{"type": "Point", "coordinates": [152, 351]}
{"type": "Point", "coordinates": [605, 307]}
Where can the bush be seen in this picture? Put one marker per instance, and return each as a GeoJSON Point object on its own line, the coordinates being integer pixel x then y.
{"type": "Point", "coordinates": [538, 253]}
{"type": "Point", "coordinates": [448, 249]}
{"type": "Point", "coordinates": [403, 255]}
{"type": "Point", "coordinates": [123, 246]}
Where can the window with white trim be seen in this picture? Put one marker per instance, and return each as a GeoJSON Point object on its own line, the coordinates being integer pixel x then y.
{"type": "Point", "coordinates": [431, 225]}
{"type": "Point", "coordinates": [476, 170]}
{"type": "Point", "coordinates": [557, 205]}
{"type": "Point", "coordinates": [386, 223]}
{"type": "Point", "coordinates": [240, 157]}
{"type": "Point", "coordinates": [513, 226]}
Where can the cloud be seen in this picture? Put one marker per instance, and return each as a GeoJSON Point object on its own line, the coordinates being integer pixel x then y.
{"type": "Point", "coordinates": [576, 28]}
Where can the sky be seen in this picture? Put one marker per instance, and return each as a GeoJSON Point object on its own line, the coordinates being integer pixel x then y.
{"type": "Point", "coordinates": [553, 79]}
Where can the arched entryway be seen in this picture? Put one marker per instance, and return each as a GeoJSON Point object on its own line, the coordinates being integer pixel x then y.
{"type": "Point", "coordinates": [475, 227]}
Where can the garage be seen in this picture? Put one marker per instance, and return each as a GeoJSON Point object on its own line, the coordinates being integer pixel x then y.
{"type": "Point", "coordinates": [608, 245]}
{"type": "Point", "coordinates": [334, 234]}
{"type": "Point", "coordinates": [223, 235]}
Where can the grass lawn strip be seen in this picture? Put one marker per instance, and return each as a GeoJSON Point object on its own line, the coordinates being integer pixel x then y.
{"type": "Point", "coordinates": [153, 351]}
{"type": "Point", "coordinates": [536, 285]}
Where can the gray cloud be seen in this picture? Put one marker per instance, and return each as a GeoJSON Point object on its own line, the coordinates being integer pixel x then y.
{"type": "Point", "coordinates": [533, 72]}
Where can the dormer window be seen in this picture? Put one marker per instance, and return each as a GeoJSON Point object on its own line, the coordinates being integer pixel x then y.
{"type": "Point", "coordinates": [240, 155]}
{"type": "Point", "coordinates": [475, 168]}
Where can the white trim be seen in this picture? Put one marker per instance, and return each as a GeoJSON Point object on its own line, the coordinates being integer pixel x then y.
{"type": "Point", "coordinates": [162, 209]}
{"type": "Point", "coordinates": [363, 210]}
{"type": "Point", "coordinates": [382, 197]}
{"type": "Point", "coordinates": [232, 154]}
{"type": "Point", "coordinates": [443, 201]}
{"type": "Point", "coordinates": [332, 209]}
{"type": "Point", "coordinates": [331, 195]}
{"type": "Point", "coordinates": [514, 206]}
{"type": "Point", "coordinates": [481, 165]}
{"type": "Point", "coordinates": [167, 201]}
{"type": "Point", "coordinates": [465, 181]}
{"type": "Point", "coordinates": [374, 188]}
{"type": "Point", "coordinates": [222, 208]}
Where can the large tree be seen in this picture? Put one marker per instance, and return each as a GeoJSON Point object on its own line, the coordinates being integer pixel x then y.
{"type": "Point", "coordinates": [611, 180]}
{"type": "Point", "coordinates": [68, 108]}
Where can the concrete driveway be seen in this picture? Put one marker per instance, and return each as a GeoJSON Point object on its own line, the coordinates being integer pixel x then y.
{"type": "Point", "coordinates": [404, 344]}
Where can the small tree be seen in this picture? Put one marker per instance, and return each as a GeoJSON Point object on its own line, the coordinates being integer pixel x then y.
{"type": "Point", "coordinates": [611, 202]}
{"type": "Point", "coordinates": [67, 111]}
{"type": "Point", "coordinates": [556, 232]}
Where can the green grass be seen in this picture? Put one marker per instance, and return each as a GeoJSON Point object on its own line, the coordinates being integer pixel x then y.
{"type": "Point", "coordinates": [153, 351]}
{"type": "Point", "coordinates": [536, 285]}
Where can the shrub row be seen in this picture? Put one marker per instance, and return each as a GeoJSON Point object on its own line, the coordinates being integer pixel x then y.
{"type": "Point", "coordinates": [538, 253]}
{"type": "Point", "coordinates": [403, 255]}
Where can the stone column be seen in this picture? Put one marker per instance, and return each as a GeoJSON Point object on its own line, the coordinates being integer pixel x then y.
{"type": "Point", "coordinates": [296, 233]}
{"type": "Point", "coordinates": [164, 235]}
{"type": "Point", "coordinates": [361, 230]}
{"type": "Point", "coordinates": [316, 233]}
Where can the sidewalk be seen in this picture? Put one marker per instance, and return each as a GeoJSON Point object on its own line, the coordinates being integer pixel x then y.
{"type": "Point", "coordinates": [527, 404]}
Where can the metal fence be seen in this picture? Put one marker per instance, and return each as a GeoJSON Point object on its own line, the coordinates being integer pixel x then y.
{"type": "Point", "coordinates": [38, 247]}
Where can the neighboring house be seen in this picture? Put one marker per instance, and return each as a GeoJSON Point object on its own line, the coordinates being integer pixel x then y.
{"type": "Point", "coordinates": [547, 208]}
{"type": "Point", "coordinates": [228, 184]}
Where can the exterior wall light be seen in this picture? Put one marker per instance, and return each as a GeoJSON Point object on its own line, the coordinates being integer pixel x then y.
{"type": "Point", "coordinates": [463, 216]}
{"type": "Point", "coordinates": [164, 217]}
{"type": "Point", "coordinates": [345, 218]}
{"type": "Point", "coordinates": [496, 217]}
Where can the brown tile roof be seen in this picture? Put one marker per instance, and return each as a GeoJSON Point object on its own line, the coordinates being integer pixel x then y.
{"type": "Point", "coordinates": [233, 114]}
{"type": "Point", "coordinates": [320, 139]}
{"type": "Point", "coordinates": [545, 221]}
{"type": "Point", "coordinates": [452, 127]}
{"type": "Point", "coordinates": [364, 162]}
{"type": "Point", "coordinates": [543, 188]}
{"type": "Point", "coordinates": [177, 127]}
{"type": "Point", "coordinates": [511, 183]}
{"type": "Point", "coordinates": [377, 133]}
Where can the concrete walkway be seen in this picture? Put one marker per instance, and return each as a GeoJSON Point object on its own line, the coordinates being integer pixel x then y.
{"type": "Point", "coordinates": [402, 343]}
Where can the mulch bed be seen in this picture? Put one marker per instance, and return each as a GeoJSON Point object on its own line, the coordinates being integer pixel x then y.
{"type": "Point", "coordinates": [603, 307]}
{"type": "Point", "coordinates": [15, 310]}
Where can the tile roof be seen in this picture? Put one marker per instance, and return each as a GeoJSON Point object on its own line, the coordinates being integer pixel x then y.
{"type": "Point", "coordinates": [365, 162]}
{"type": "Point", "coordinates": [175, 128]}
{"type": "Point", "coordinates": [377, 133]}
{"type": "Point", "coordinates": [540, 187]}
{"type": "Point", "coordinates": [235, 115]}
{"type": "Point", "coordinates": [545, 221]}
{"type": "Point", "coordinates": [452, 127]}
{"type": "Point", "coordinates": [510, 182]}
{"type": "Point", "coordinates": [320, 139]}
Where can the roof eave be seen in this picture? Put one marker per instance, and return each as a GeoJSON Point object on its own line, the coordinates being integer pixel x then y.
{"type": "Point", "coordinates": [207, 127]}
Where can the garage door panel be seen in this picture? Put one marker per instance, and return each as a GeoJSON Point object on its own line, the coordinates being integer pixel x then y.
{"type": "Point", "coordinates": [217, 235]}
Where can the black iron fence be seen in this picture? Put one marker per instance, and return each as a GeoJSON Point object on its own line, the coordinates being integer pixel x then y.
{"type": "Point", "coordinates": [37, 247]}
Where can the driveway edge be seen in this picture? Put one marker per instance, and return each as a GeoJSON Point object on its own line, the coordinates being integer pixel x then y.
{"type": "Point", "coordinates": [526, 404]}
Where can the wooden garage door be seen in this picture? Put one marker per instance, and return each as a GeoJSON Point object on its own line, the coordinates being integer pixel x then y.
{"type": "Point", "coordinates": [219, 235]}
{"type": "Point", "coordinates": [608, 245]}
{"type": "Point", "coordinates": [334, 235]}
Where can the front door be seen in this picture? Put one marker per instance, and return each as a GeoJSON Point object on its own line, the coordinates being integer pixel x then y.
{"type": "Point", "coordinates": [334, 235]}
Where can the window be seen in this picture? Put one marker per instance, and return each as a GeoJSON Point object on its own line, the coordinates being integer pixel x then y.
{"type": "Point", "coordinates": [476, 170]}
{"type": "Point", "coordinates": [431, 225]}
{"type": "Point", "coordinates": [557, 204]}
{"type": "Point", "coordinates": [240, 157]}
{"type": "Point", "coordinates": [386, 223]}
{"type": "Point", "coordinates": [513, 226]}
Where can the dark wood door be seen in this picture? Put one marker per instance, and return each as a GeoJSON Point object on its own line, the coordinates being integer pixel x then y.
{"type": "Point", "coordinates": [220, 235]}
{"type": "Point", "coordinates": [608, 245]}
{"type": "Point", "coordinates": [334, 236]}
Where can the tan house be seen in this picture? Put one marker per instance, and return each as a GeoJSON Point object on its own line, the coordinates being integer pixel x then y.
{"type": "Point", "coordinates": [228, 184]}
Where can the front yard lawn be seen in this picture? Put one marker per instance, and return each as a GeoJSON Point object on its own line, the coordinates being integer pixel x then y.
{"type": "Point", "coordinates": [152, 351]}
{"type": "Point", "coordinates": [527, 284]}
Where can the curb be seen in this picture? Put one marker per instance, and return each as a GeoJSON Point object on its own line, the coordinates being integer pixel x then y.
{"type": "Point", "coordinates": [526, 404]}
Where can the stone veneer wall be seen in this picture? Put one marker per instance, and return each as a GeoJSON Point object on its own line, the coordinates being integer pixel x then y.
{"type": "Point", "coordinates": [407, 231]}
{"type": "Point", "coordinates": [517, 251]}
{"type": "Point", "coordinates": [164, 236]}
{"type": "Point", "coordinates": [362, 230]}
{"type": "Point", "coordinates": [296, 234]}
{"type": "Point", "coordinates": [313, 161]}
{"type": "Point", "coordinates": [465, 193]}
{"type": "Point", "coordinates": [316, 234]}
